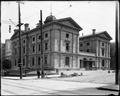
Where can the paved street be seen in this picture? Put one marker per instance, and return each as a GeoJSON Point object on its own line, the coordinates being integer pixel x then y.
{"type": "Point", "coordinates": [34, 86]}
{"type": "Point", "coordinates": [98, 76]}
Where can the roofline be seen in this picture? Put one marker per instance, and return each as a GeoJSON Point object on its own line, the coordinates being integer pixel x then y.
{"type": "Point", "coordinates": [69, 18]}
{"type": "Point", "coordinates": [55, 21]}
{"type": "Point", "coordinates": [96, 34]}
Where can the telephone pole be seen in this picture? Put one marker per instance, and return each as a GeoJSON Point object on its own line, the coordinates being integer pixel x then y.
{"type": "Point", "coordinates": [19, 25]}
{"type": "Point", "coordinates": [42, 64]}
{"type": "Point", "coordinates": [116, 46]}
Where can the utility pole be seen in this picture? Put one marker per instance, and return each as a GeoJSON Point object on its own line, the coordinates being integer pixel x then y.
{"type": "Point", "coordinates": [19, 25]}
{"type": "Point", "coordinates": [42, 64]}
{"type": "Point", "coordinates": [116, 45]}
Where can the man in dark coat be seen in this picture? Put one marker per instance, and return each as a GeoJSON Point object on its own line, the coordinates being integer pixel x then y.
{"type": "Point", "coordinates": [38, 73]}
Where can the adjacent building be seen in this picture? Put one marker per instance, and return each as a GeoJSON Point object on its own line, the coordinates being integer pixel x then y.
{"type": "Point", "coordinates": [62, 47]}
{"type": "Point", "coordinates": [2, 52]}
{"type": "Point", "coordinates": [8, 49]}
{"type": "Point", "coordinates": [98, 43]}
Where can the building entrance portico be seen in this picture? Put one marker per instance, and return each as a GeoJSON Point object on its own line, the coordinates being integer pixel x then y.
{"type": "Point", "coordinates": [88, 64]}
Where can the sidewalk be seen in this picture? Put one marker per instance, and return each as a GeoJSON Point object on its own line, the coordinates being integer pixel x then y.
{"type": "Point", "coordinates": [27, 77]}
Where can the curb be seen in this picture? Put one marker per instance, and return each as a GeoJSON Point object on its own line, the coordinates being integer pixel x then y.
{"type": "Point", "coordinates": [109, 89]}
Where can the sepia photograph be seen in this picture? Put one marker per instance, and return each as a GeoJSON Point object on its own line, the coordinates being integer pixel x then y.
{"type": "Point", "coordinates": [60, 48]}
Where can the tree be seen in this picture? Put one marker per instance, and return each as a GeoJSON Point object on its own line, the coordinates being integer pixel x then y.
{"type": "Point", "coordinates": [6, 64]}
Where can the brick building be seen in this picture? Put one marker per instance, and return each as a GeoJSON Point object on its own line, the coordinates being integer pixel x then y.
{"type": "Point", "coordinates": [60, 46]}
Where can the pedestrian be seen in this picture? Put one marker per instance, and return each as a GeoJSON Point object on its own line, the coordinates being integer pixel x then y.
{"type": "Point", "coordinates": [119, 81]}
{"type": "Point", "coordinates": [38, 73]}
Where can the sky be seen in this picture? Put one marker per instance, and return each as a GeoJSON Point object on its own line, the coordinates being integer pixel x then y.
{"type": "Point", "coordinates": [99, 15]}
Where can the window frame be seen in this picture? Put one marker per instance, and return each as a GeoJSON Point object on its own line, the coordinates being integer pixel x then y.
{"type": "Point", "coordinates": [46, 35]}
{"type": "Point", "coordinates": [67, 35]}
{"type": "Point", "coordinates": [67, 61]}
{"type": "Point", "coordinates": [67, 46]}
{"type": "Point", "coordinates": [46, 45]}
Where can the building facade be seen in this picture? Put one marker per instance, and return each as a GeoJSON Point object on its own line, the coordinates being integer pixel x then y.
{"type": "Point", "coordinates": [8, 49]}
{"type": "Point", "coordinates": [2, 51]}
{"type": "Point", "coordinates": [98, 43]}
{"type": "Point", "coordinates": [60, 46]}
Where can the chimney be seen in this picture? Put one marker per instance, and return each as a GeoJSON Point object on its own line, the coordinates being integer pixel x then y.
{"type": "Point", "coordinates": [26, 26]}
{"type": "Point", "coordinates": [93, 30]}
{"type": "Point", "coordinates": [38, 24]}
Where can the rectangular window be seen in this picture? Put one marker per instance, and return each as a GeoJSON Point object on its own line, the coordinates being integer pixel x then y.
{"type": "Point", "coordinates": [102, 44]}
{"type": "Point", "coordinates": [33, 39]}
{"type": "Point", "coordinates": [46, 46]}
{"type": "Point", "coordinates": [80, 63]}
{"type": "Point", "coordinates": [88, 43]}
{"type": "Point", "coordinates": [33, 48]}
{"type": "Point", "coordinates": [102, 52]}
{"type": "Point", "coordinates": [67, 61]}
{"type": "Point", "coordinates": [39, 37]}
{"type": "Point", "coordinates": [23, 61]}
{"type": "Point", "coordinates": [45, 60]}
{"type": "Point", "coordinates": [39, 47]}
{"type": "Point", "coordinates": [67, 35]}
{"type": "Point", "coordinates": [33, 61]}
{"type": "Point", "coordinates": [67, 47]}
{"type": "Point", "coordinates": [46, 35]}
{"type": "Point", "coordinates": [38, 60]}
{"type": "Point", "coordinates": [23, 41]}
{"type": "Point", "coordinates": [23, 49]}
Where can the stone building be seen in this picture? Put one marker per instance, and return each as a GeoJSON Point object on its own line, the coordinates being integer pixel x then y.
{"type": "Point", "coordinates": [8, 49]}
{"type": "Point", "coordinates": [2, 51]}
{"type": "Point", "coordinates": [98, 43]}
{"type": "Point", "coordinates": [60, 46]}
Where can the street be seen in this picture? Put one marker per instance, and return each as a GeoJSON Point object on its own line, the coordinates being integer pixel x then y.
{"type": "Point", "coordinates": [34, 86]}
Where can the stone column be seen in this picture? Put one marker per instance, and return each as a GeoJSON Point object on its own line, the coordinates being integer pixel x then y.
{"type": "Point", "coordinates": [109, 49]}
{"type": "Point", "coordinates": [108, 63]}
{"type": "Point", "coordinates": [77, 44]}
{"type": "Point", "coordinates": [97, 48]}
{"type": "Point", "coordinates": [97, 63]}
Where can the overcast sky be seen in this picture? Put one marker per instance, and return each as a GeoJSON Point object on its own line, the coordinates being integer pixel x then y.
{"type": "Point", "coordinates": [99, 15]}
